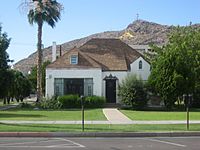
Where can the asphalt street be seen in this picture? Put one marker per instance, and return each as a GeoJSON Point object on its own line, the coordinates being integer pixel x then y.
{"type": "Point", "coordinates": [154, 143]}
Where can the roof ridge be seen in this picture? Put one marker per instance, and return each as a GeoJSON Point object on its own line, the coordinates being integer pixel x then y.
{"type": "Point", "coordinates": [90, 59]}
{"type": "Point", "coordinates": [126, 60]}
{"type": "Point", "coordinates": [100, 64]}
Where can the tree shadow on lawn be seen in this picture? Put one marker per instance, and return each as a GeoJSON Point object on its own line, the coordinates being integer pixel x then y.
{"type": "Point", "coordinates": [12, 115]}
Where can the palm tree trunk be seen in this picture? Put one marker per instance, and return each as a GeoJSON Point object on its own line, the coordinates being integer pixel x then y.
{"type": "Point", "coordinates": [39, 61]}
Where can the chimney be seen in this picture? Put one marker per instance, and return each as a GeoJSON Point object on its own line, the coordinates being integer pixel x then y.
{"type": "Point", "coordinates": [54, 51]}
{"type": "Point", "coordinates": [60, 50]}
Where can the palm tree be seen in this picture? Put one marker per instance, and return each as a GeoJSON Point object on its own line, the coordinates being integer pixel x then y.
{"type": "Point", "coordinates": [40, 12]}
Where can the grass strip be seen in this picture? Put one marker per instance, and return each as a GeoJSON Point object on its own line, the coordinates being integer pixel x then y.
{"type": "Point", "coordinates": [95, 128]}
{"type": "Point", "coordinates": [160, 115]}
{"type": "Point", "coordinates": [44, 115]}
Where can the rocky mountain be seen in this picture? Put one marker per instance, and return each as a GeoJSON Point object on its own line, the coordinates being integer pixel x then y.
{"type": "Point", "coordinates": [139, 32]}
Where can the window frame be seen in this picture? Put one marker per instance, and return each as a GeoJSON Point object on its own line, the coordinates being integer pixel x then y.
{"type": "Point", "coordinates": [140, 65]}
{"type": "Point", "coordinates": [73, 59]}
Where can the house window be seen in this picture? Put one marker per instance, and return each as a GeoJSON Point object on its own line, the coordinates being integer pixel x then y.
{"type": "Point", "coordinates": [58, 86]}
{"type": "Point", "coordinates": [89, 90]}
{"type": "Point", "coordinates": [88, 87]}
{"type": "Point", "coordinates": [74, 59]}
{"type": "Point", "coordinates": [140, 64]}
{"type": "Point", "coordinates": [80, 86]}
{"type": "Point", "coordinates": [74, 86]}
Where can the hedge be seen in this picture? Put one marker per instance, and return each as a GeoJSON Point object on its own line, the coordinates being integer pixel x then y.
{"type": "Point", "coordinates": [74, 101]}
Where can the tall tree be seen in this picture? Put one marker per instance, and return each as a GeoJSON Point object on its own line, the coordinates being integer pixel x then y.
{"type": "Point", "coordinates": [33, 77]}
{"type": "Point", "coordinates": [21, 85]}
{"type": "Point", "coordinates": [4, 59]}
{"type": "Point", "coordinates": [4, 44]}
{"type": "Point", "coordinates": [40, 12]}
{"type": "Point", "coordinates": [176, 68]}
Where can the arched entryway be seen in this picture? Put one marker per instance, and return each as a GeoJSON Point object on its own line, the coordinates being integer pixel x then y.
{"type": "Point", "coordinates": [110, 88]}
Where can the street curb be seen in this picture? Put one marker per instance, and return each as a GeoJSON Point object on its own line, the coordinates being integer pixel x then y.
{"type": "Point", "coordinates": [98, 134]}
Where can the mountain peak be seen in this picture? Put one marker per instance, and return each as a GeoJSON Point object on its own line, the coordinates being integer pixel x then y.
{"type": "Point", "coordinates": [145, 27]}
{"type": "Point", "coordinates": [141, 22]}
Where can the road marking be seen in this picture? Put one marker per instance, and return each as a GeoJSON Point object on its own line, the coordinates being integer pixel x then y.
{"type": "Point", "coordinates": [185, 137]}
{"type": "Point", "coordinates": [74, 146]}
{"type": "Point", "coordinates": [28, 142]}
{"type": "Point", "coordinates": [70, 144]}
{"type": "Point", "coordinates": [61, 145]}
{"type": "Point", "coordinates": [165, 142]}
{"type": "Point", "coordinates": [100, 138]}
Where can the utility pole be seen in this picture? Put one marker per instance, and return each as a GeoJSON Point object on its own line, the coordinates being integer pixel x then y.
{"type": "Point", "coordinates": [82, 108]}
{"type": "Point", "coordinates": [187, 100]}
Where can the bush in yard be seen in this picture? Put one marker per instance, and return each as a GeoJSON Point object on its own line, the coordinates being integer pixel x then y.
{"type": "Point", "coordinates": [94, 101]}
{"type": "Point", "coordinates": [25, 105]}
{"type": "Point", "coordinates": [132, 92]}
{"type": "Point", "coordinates": [70, 101]}
{"type": "Point", "coordinates": [52, 103]}
{"type": "Point", "coordinates": [74, 101]}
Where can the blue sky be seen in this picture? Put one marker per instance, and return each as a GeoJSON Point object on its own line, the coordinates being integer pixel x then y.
{"type": "Point", "coordinates": [85, 17]}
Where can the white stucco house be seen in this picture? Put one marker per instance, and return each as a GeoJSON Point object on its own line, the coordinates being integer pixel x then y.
{"type": "Point", "coordinates": [95, 68]}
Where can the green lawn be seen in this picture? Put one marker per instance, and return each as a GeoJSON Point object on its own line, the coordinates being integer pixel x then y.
{"type": "Point", "coordinates": [15, 114]}
{"type": "Point", "coordinates": [94, 128]}
{"type": "Point", "coordinates": [160, 115]}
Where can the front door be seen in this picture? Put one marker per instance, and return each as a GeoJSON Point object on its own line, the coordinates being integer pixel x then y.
{"type": "Point", "coordinates": [111, 91]}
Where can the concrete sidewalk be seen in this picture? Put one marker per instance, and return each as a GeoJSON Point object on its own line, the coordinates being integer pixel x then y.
{"type": "Point", "coordinates": [114, 115]}
{"type": "Point", "coordinates": [99, 122]}
{"type": "Point", "coordinates": [8, 107]}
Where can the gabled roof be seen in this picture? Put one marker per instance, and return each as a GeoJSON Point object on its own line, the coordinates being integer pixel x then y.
{"type": "Point", "coordinates": [83, 61]}
{"type": "Point", "coordinates": [107, 54]}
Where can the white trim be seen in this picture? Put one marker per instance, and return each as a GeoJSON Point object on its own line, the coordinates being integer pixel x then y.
{"type": "Point", "coordinates": [74, 59]}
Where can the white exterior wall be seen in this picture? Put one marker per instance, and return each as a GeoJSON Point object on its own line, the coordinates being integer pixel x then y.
{"type": "Point", "coordinates": [99, 87]}
{"type": "Point", "coordinates": [51, 74]}
{"type": "Point", "coordinates": [119, 74]}
{"type": "Point", "coordinates": [144, 72]}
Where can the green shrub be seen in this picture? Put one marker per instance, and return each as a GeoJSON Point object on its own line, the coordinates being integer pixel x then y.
{"type": "Point", "coordinates": [25, 105]}
{"type": "Point", "coordinates": [70, 101]}
{"type": "Point", "coordinates": [73, 101]}
{"type": "Point", "coordinates": [132, 92]}
{"type": "Point", "coordinates": [94, 101]}
{"type": "Point", "coordinates": [52, 103]}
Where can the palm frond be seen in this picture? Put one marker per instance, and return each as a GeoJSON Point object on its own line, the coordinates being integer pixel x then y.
{"type": "Point", "coordinates": [47, 10]}
{"type": "Point", "coordinates": [25, 6]}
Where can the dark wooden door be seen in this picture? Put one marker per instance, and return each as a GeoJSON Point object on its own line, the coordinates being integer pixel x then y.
{"type": "Point", "coordinates": [111, 91]}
